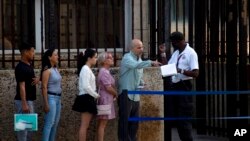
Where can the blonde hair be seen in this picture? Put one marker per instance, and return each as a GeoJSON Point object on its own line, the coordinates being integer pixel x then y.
{"type": "Point", "coordinates": [101, 58]}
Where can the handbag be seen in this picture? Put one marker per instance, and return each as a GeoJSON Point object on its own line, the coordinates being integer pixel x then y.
{"type": "Point", "coordinates": [104, 109]}
{"type": "Point", "coordinates": [25, 122]}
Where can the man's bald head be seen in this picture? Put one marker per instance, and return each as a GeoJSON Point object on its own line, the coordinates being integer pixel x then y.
{"type": "Point", "coordinates": [137, 47]}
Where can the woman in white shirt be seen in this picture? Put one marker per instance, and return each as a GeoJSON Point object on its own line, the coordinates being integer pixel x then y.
{"type": "Point", "coordinates": [85, 102]}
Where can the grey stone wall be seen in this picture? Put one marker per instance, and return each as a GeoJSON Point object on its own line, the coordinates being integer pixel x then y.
{"type": "Point", "coordinates": [70, 120]}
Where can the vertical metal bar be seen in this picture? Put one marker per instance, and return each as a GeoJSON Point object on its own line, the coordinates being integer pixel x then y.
{"type": "Point", "coordinates": [30, 30]}
{"type": "Point", "coordinates": [177, 14]}
{"type": "Point", "coordinates": [93, 5]}
{"type": "Point", "coordinates": [167, 30]}
{"type": "Point", "coordinates": [214, 36]}
{"type": "Point", "coordinates": [30, 21]}
{"type": "Point", "coordinates": [184, 16]}
{"type": "Point", "coordinates": [78, 29]}
{"type": "Point", "coordinates": [3, 33]}
{"type": "Point", "coordinates": [46, 22]}
{"type": "Point", "coordinates": [210, 97]}
{"type": "Point", "coordinates": [214, 48]}
{"type": "Point", "coordinates": [231, 38]}
{"type": "Point", "coordinates": [200, 43]}
{"type": "Point", "coordinates": [88, 23]}
{"type": "Point", "coordinates": [96, 25]}
{"type": "Point", "coordinates": [114, 28]}
{"type": "Point", "coordinates": [152, 29]}
{"type": "Point", "coordinates": [243, 83]}
{"type": "Point", "coordinates": [219, 100]}
{"type": "Point", "coordinates": [42, 27]}
{"type": "Point", "coordinates": [141, 20]}
{"type": "Point", "coordinates": [248, 8]}
{"type": "Point", "coordinates": [12, 26]}
{"type": "Point", "coordinates": [133, 26]}
{"type": "Point", "coordinates": [160, 23]}
{"type": "Point", "coordinates": [106, 24]}
{"type": "Point", "coordinates": [191, 22]}
{"type": "Point", "coordinates": [68, 31]}
{"type": "Point", "coordinates": [57, 18]}
{"type": "Point", "coordinates": [123, 29]}
{"type": "Point", "coordinates": [223, 102]}
{"type": "Point", "coordinates": [21, 10]}
{"type": "Point", "coordinates": [218, 79]}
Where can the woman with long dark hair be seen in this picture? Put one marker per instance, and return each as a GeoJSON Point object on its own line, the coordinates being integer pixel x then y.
{"type": "Point", "coordinates": [85, 102]}
{"type": "Point", "coordinates": [51, 91]}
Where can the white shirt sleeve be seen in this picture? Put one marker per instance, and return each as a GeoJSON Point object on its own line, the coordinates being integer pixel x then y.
{"type": "Point", "coordinates": [194, 61]}
{"type": "Point", "coordinates": [87, 82]}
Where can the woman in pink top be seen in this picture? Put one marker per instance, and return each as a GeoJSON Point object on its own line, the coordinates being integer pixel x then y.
{"type": "Point", "coordinates": [107, 91]}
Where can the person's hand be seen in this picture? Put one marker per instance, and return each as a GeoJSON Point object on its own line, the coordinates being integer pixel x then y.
{"type": "Point", "coordinates": [156, 63]}
{"type": "Point", "coordinates": [115, 97]}
{"type": "Point", "coordinates": [162, 48]}
{"type": "Point", "coordinates": [180, 70]}
{"type": "Point", "coordinates": [98, 96]}
{"type": "Point", "coordinates": [46, 108]}
{"type": "Point", "coordinates": [35, 81]}
{"type": "Point", "coordinates": [25, 107]}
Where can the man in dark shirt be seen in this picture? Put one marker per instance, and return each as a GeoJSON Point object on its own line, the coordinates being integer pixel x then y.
{"type": "Point", "coordinates": [26, 86]}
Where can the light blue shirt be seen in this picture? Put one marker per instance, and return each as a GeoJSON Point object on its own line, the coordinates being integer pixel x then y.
{"type": "Point", "coordinates": [131, 73]}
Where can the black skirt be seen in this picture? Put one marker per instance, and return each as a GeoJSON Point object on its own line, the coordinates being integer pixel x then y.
{"type": "Point", "coordinates": [85, 103]}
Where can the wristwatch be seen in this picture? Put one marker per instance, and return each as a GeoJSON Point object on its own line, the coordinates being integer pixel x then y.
{"type": "Point", "coordinates": [163, 54]}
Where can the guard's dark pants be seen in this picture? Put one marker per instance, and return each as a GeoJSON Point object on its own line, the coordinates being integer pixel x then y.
{"type": "Point", "coordinates": [181, 106]}
{"type": "Point", "coordinates": [130, 127]}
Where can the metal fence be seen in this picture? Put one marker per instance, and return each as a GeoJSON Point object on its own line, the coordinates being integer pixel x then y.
{"type": "Point", "coordinates": [218, 31]}
{"type": "Point", "coordinates": [67, 25]}
{"type": "Point", "coordinates": [222, 42]}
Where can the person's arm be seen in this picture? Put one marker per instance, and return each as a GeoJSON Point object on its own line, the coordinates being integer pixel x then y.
{"type": "Point", "coordinates": [111, 90]}
{"type": "Point", "coordinates": [192, 73]}
{"type": "Point", "coordinates": [106, 81]}
{"type": "Point", "coordinates": [45, 79]}
{"type": "Point", "coordinates": [131, 63]}
{"type": "Point", "coordinates": [35, 81]}
{"type": "Point", "coordinates": [162, 54]}
{"type": "Point", "coordinates": [85, 76]}
{"type": "Point", "coordinates": [193, 63]}
{"type": "Point", "coordinates": [25, 107]}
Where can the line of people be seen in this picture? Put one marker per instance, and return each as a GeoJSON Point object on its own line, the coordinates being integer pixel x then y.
{"type": "Point", "coordinates": [130, 78]}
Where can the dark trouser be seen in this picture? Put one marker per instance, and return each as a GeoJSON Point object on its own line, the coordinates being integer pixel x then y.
{"type": "Point", "coordinates": [130, 127]}
{"type": "Point", "coordinates": [181, 106]}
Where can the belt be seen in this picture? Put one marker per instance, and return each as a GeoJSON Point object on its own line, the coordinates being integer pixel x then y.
{"type": "Point", "coordinates": [57, 94]}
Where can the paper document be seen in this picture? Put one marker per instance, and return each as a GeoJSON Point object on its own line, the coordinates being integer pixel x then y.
{"type": "Point", "coordinates": [168, 70]}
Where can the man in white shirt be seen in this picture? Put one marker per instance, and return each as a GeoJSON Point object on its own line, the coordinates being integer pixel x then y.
{"type": "Point", "coordinates": [181, 106]}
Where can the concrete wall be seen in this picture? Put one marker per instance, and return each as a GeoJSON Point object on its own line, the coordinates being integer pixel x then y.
{"type": "Point", "coordinates": [70, 120]}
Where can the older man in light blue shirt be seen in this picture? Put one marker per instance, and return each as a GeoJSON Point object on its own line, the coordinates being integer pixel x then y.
{"type": "Point", "coordinates": [130, 78]}
{"type": "Point", "coordinates": [131, 73]}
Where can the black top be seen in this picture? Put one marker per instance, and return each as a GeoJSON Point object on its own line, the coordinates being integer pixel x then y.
{"type": "Point", "coordinates": [25, 73]}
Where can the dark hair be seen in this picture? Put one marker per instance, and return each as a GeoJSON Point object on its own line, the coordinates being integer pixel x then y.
{"type": "Point", "coordinates": [25, 46]}
{"type": "Point", "coordinates": [45, 60]}
{"type": "Point", "coordinates": [176, 36]}
{"type": "Point", "coordinates": [83, 58]}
